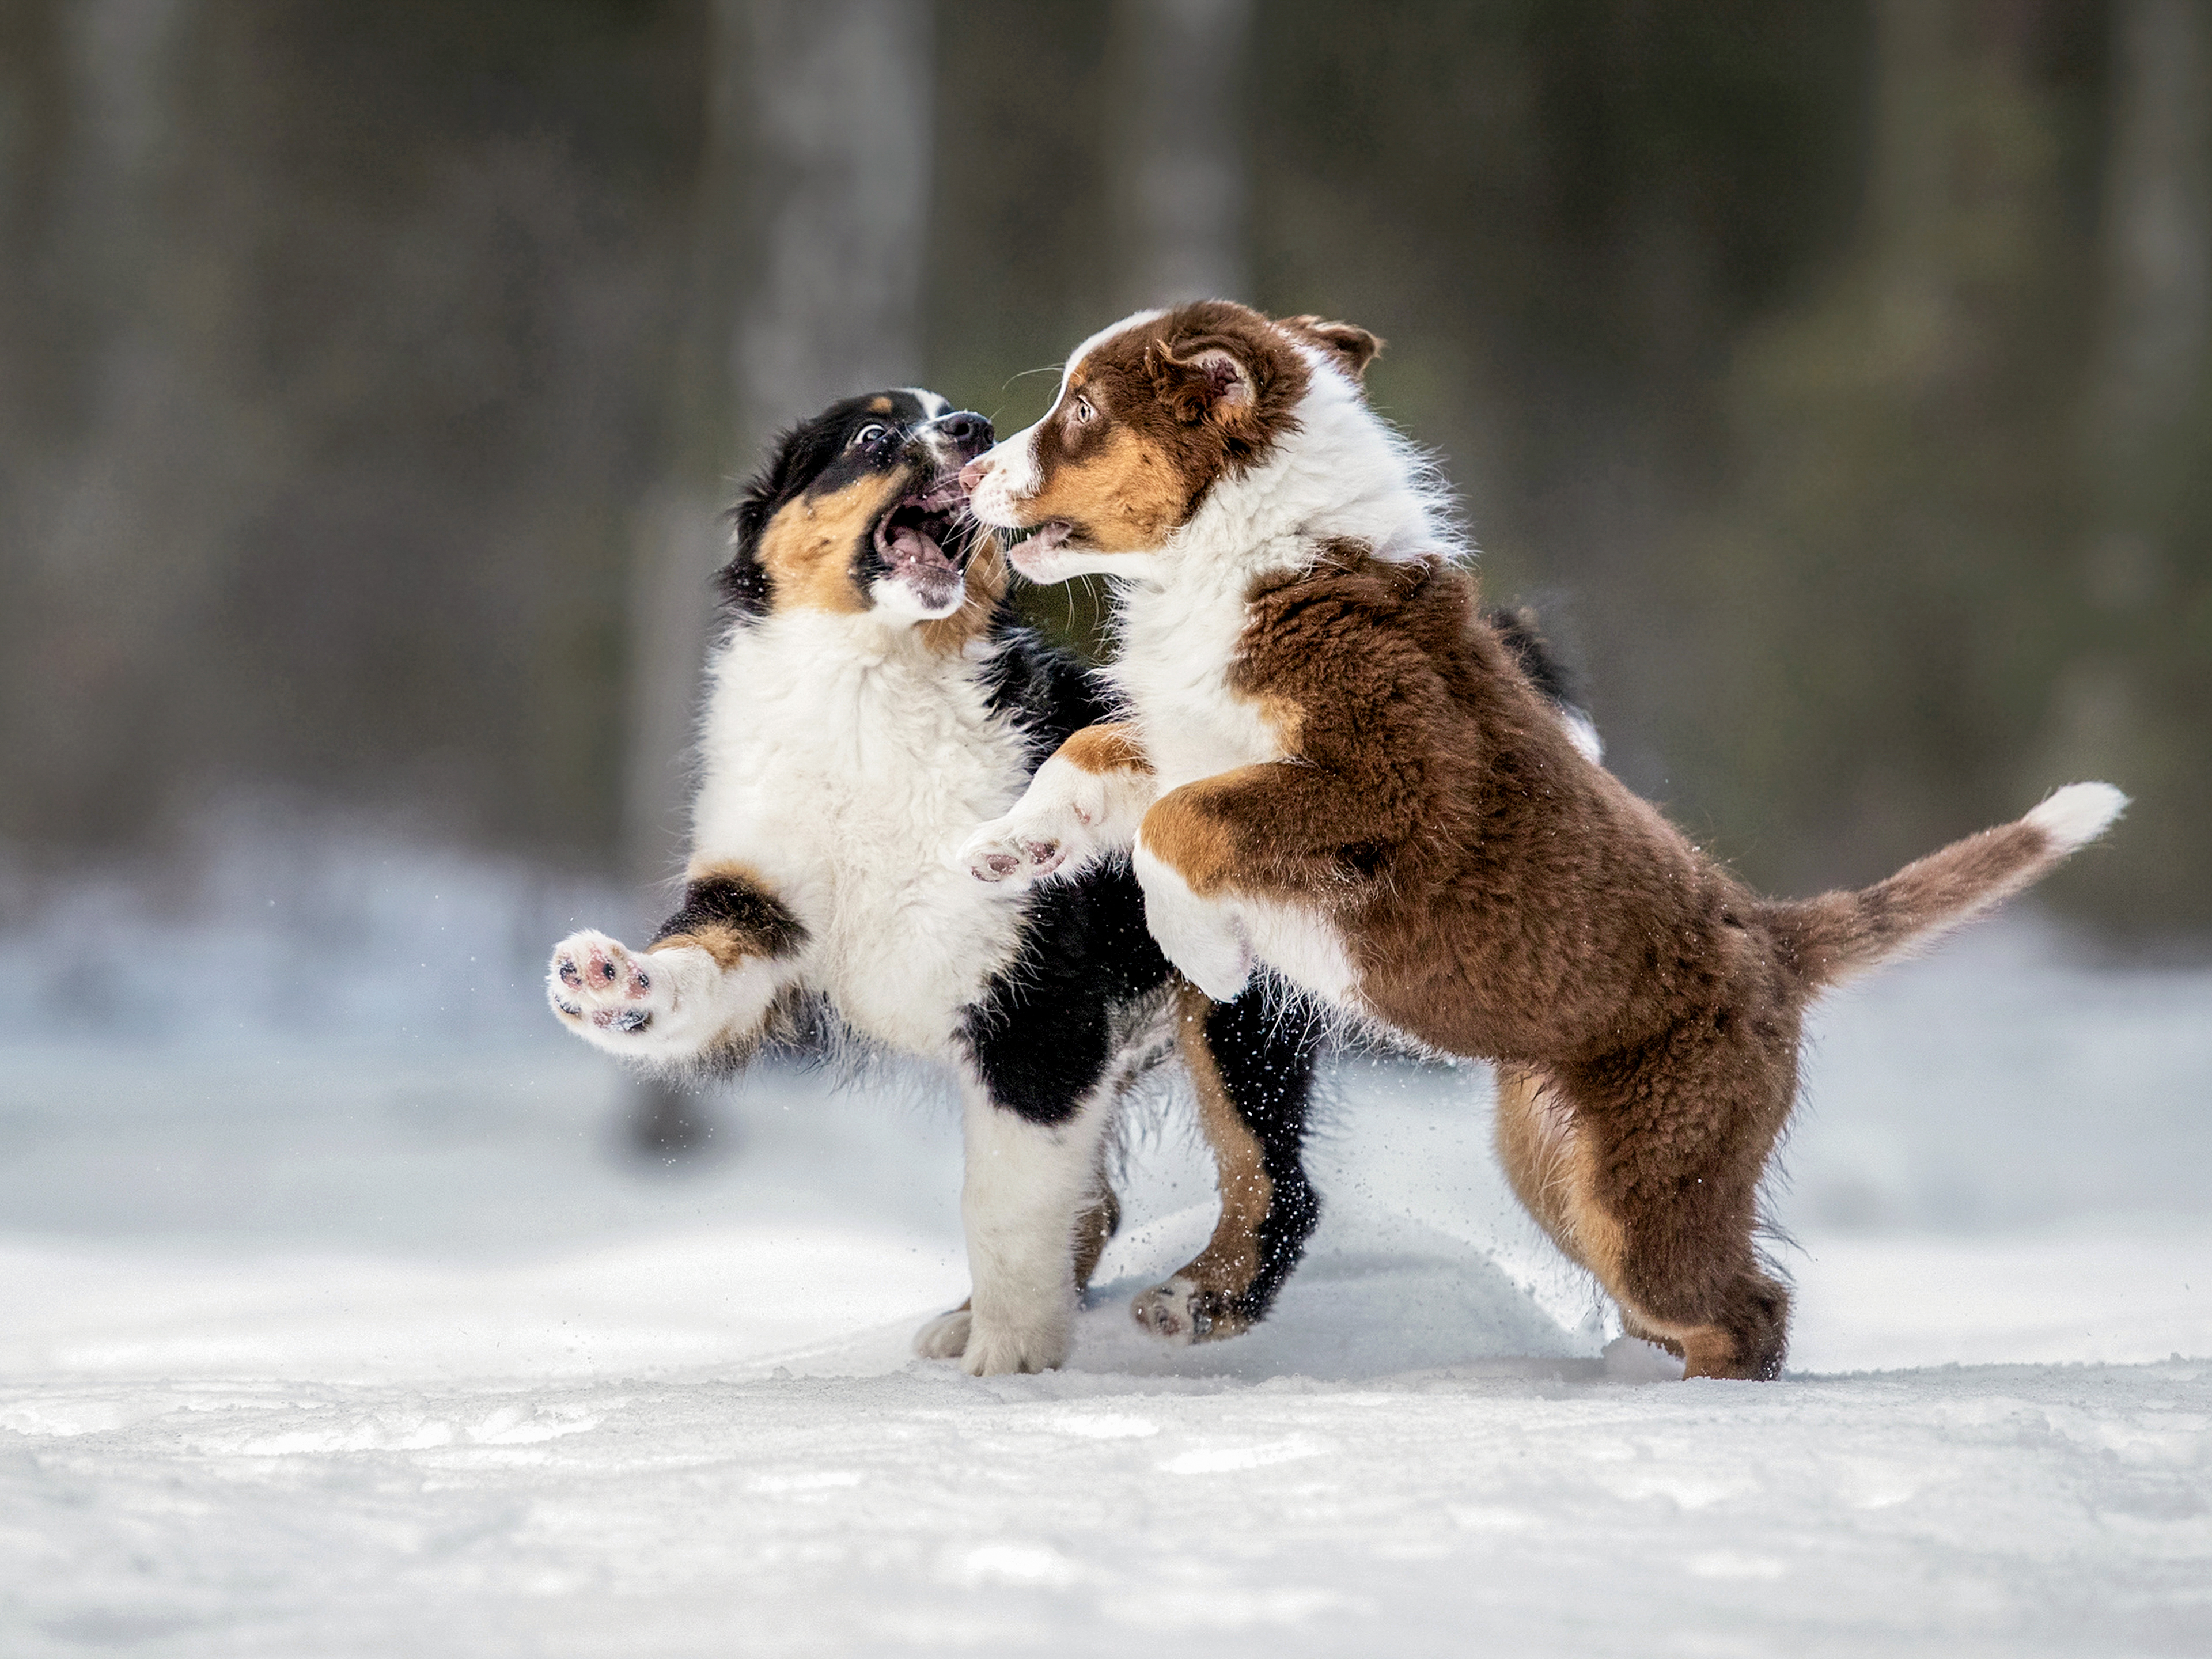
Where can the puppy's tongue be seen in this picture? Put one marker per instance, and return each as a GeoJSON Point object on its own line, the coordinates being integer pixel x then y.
{"type": "Point", "coordinates": [909, 546]}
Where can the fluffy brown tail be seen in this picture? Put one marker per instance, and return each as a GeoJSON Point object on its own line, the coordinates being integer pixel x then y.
{"type": "Point", "coordinates": [1837, 935]}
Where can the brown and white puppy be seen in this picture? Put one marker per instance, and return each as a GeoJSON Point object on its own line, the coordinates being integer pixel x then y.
{"type": "Point", "coordinates": [1333, 765]}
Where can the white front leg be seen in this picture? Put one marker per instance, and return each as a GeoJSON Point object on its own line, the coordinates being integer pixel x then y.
{"type": "Point", "coordinates": [1068, 818]}
{"type": "Point", "coordinates": [663, 1007]}
{"type": "Point", "coordinates": [1202, 937]}
{"type": "Point", "coordinates": [1026, 1184]}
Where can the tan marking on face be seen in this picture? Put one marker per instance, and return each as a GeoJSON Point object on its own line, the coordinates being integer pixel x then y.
{"type": "Point", "coordinates": [1151, 416]}
{"type": "Point", "coordinates": [880, 405]}
{"type": "Point", "coordinates": [1123, 494]}
{"type": "Point", "coordinates": [1225, 1268]}
{"type": "Point", "coordinates": [1112, 747]}
{"type": "Point", "coordinates": [808, 548]}
{"type": "Point", "coordinates": [986, 586]}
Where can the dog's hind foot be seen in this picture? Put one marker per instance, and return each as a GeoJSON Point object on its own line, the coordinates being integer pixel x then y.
{"type": "Point", "coordinates": [1180, 1311]}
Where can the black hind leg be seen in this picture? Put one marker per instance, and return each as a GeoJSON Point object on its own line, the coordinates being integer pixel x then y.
{"type": "Point", "coordinates": [1251, 1063]}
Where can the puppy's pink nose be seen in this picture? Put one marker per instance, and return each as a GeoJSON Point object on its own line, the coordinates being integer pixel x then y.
{"type": "Point", "coordinates": [972, 474]}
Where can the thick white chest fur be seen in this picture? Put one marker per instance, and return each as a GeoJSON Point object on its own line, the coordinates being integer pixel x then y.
{"type": "Point", "coordinates": [1178, 642]}
{"type": "Point", "coordinates": [842, 761]}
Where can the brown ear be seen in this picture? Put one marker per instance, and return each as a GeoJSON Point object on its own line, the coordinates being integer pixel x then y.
{"type": "Point", "coordinates": [1208, 378]}
{"type": "Point", "coordinates": [1352, 348]}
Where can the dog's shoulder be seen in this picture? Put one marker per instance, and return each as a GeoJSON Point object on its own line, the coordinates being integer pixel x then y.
{"type": "Point", "coordinates": [1350, 611]}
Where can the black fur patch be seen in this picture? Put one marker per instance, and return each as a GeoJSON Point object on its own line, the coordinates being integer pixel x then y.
{"type": "Point", "coordinates": [1040, 686]}
{"type": "Point", "coordinates": [1533, 652]}
{"type": "Point", "coordinates": [1264, 1046]}
{"type": "Point", "coordinates": [1042, 1032]}
{"type": "Point", "coordinates": [744, 586]}
{"type": "Point", "coordinates": [739, 908]}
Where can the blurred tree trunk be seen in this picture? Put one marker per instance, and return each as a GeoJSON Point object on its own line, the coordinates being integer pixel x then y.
{"type": "Point", "coordinates": [1179, 192]}
{"type": "Point", "coordinates": [2158, 259]}
{"type": "Point", "coordinates": [1904, 457]}
{"type": "Point", "coordinates": [2128, 705]}
{"type": "Point", "coordinates": [808, 261]}
{"type": "Point", "coordinates": [1910, 208]}
{"type": "Point", "coordinates": [117, 423]}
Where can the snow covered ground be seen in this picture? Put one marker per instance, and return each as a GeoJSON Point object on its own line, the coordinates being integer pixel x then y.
{"type": "Point", "coordinates": [383, 1346]}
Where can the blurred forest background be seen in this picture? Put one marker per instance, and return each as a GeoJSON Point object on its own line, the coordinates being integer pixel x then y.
{"type": "Point", "coordinates": [1837, 374]}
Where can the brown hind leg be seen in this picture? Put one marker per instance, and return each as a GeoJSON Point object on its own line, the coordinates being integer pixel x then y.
{"type": "Point", "coordinates": [1547, 1157]}
{"type": "Point", "coordinates": [1097, 1222]}
{"type": "Point", "coordinates": [1661, 1216]}
{"type": "Point", "coordinates": [1250, 1065]}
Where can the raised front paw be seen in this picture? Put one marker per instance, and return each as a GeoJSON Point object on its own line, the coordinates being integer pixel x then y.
{"type": "Point", "coordinates": [1009, 851]}
{"type": "Point", "coordinates": [598, 986]}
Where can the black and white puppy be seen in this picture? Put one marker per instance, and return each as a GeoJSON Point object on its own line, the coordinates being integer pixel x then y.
{"type": "Point", "coordinates": [870, 701]}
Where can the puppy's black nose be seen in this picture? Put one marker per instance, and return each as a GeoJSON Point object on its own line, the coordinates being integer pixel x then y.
{"type": "Point", "coordinates": [970, 434]}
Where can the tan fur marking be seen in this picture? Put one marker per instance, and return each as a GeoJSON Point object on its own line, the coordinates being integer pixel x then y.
{"type": "Point", "coordinates": [1199, 845]}
{"type": "Point", "coordinates": [1111, 747]}
{"type": "Point", "coordinates": [728, 947]}
{"type": "Point", "coordinates": [808, 547]}
{"type": "Point", "coordinates": [1126, 496]}
{"type": "Point", "coordinates": [1286, 719]}
{"type": "Point", "coordinates": [1095, 1224]}
{"type": "Point", "coordinates": [1230, 1261]}
{"type": "Point", "coordinates": [1546, 1158]}
{"type": "Point", "coordinates": [1549, 1164]}
{"type": "Point", "coordinates": [1163, 423]}
{"type": "Point", "coordinates": [879, 405]}
{"type": "Point", "coordinates": [726, 870]}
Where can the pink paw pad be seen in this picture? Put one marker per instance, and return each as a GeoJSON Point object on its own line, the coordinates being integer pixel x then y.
{"type": "Point", "coordinates": [594, 982]}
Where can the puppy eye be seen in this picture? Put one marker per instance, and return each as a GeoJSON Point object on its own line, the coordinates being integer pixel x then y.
{"type": "Point", "coordinates": [872, 433]}
{"type": "Point", "coordinates": [1084, 412]}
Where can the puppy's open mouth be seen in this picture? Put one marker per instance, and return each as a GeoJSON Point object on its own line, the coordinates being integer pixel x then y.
{"type": "Point", "coordinates": [1052, 534]}
{"type": "Point", "coordinates": [924, 540]}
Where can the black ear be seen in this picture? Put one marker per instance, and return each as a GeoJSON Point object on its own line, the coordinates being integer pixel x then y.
{"type": "Point", "coordinates": [1352, 348]}
{"type": "Point", "coordinates": [796, 458]}
{"type": "Point", "coordinates": [793, 461]}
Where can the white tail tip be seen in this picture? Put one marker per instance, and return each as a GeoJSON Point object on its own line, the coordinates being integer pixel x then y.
{"type": "Point", "coordinates": [1584, 732]}
{"type": "Point", "coordinates": [2078, 814]}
